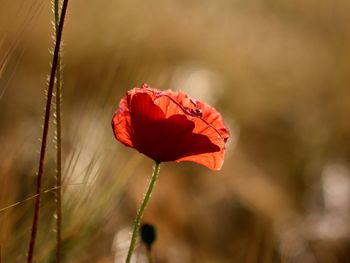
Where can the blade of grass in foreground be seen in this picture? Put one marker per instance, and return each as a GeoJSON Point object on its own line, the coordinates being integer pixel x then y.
{"type": "Point", "coordinates": [58, 176]}
{"type": "Point", "coordinates": [45, 132]}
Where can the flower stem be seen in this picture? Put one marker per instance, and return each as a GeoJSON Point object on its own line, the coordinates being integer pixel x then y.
{"type": "Point", "coordinates": [149, 255]}
{"type": "Point", "coordinates": [141, 210]}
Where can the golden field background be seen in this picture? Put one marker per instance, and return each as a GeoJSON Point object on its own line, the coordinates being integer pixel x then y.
{"type": "Point", "coordinates": [278, 71]}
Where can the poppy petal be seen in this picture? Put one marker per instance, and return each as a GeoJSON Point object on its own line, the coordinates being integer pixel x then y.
{"type": "Point", "coordinates": [121, 124]}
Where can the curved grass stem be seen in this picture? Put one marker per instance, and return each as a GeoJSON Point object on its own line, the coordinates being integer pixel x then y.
{"type": "Point", "coordinates": [141, 210]}
{"type": "Point", "coordinates": [54, 65]}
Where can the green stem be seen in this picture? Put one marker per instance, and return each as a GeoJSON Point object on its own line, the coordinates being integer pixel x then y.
{"type": "Point", "coordinates": [141, 210]}
{"type": "Point", "coordinates": [149, 255]}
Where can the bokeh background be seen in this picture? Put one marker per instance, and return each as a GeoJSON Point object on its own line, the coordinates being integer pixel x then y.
{"type": "Point", "coordinates": [278, 71]}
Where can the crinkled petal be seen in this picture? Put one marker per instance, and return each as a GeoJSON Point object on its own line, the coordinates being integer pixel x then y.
{"type": "Point", "coordinates": [121, 124]}
{"type": "Point", "coordinates": [207, 122]}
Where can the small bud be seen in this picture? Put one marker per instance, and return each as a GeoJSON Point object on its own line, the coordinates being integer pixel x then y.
{"type": "Point", "coordinates": [148, 234]}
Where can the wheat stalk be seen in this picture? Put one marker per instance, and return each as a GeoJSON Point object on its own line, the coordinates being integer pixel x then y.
{"type": "Point", "coordinates": [54, 65]}
{"type": "Point", "coordinates": [58, 176]}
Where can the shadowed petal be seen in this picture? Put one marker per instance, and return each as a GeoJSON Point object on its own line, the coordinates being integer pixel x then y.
{"type": "Point", "coordinates": [164, 139]}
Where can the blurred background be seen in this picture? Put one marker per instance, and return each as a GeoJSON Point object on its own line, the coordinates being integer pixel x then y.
{"type": "Point", "coordinates": [278, 71]}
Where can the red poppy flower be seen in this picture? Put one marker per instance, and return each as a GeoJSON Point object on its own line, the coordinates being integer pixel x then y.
{"type": "Point", "coordinates": [170, 126]}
